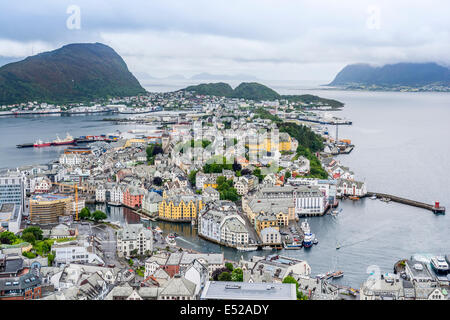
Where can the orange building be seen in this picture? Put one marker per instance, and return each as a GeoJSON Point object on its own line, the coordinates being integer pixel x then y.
{"type": "Point", "coordinates": [133, 197]}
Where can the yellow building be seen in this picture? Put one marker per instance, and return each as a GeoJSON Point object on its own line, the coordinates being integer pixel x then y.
{"type": "Point", "coordinates": [180, 208]}
{"type": "Point", "coordinates": [263, 221]}
{"type": "Point", "coordinates": [283, 210]}
{"type": "Point", "coordinates": [284, 144]}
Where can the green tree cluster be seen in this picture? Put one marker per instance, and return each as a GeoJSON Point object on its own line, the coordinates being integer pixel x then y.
{"type": "Point", "coordinates": [191, 177]}
{"type": "Point", "coordinates": [217, 166]}
{"type": "Point", "coordinates": [316, 170]}
{"type": "Point", "coordinates": [226, 189]}
{"type": "Point", "coordinates": [305, 136]}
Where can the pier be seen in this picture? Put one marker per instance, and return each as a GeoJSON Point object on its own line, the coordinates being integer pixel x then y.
{"type": "Point", "coordinates": [434, 208]}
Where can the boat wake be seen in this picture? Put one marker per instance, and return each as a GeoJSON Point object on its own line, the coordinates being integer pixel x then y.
{"type": "Point", "coordinates": [191, 243]}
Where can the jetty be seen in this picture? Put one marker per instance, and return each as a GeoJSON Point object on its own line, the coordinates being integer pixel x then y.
{"type": "Point", "coordinates": [436, 208]}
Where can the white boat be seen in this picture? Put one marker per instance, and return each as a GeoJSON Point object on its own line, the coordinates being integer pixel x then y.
{"type": "Point", "coordinates": [267, 248]}
{"type": "Point", "coordinates": [439, 265]}
{"type": "Point", "coordinates": [374, 197]}
{"type": "Point", "coordinates": [158, 229]}
{"type": "Point", "coordinates": [305, 226]}
{"type": "Point", "coordinates": [170, 239]}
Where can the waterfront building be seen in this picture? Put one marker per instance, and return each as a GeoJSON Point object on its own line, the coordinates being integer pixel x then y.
{"type": "Point", "coordinates": [347, 187]}
{"type": "Point", "coordinates": [278, 266]}
{"type": "Point", "coordinates": [308, 200]}
{"type": "Point", "coordinates": [10, 217]}
{"type": "Point", "coordinates": [419, 274]}
{"type": "Point", "coordinates": [116, 194]}
{"type": "Point", "coordinates": [215, 216]}
{"type": "Point", "coordinates": [233, 232]}
{"type": "Point", "coordinates": [283, 210]}
{"type": "Point", "coordinates": [270, 236]}
{"type": "Point", "coordinates": [150, 202]}
{"type": "Point", "coordinates": [180, 208]}
{"type": "Point", "coordinates": [46, 208]}
{"type": "Point", "coordinates": [133, 196]}
{"type": "Point", "coordinates": [382, 287]}
{"type": "Point", "coordinates": [265, 220]}
{"type": "Point", "coordinates": [228, 290]}
{"type": "Point", "coordinates": [134, 238]}
{"type": "Point", "coordinates": [12, 188]}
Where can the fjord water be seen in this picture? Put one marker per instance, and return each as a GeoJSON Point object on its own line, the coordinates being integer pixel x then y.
{"type": "Point", "coordinates": [402, 148]}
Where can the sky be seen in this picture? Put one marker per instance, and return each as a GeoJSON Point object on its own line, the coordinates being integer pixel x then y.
{"type": "Point", "coordinates": [268, 39]}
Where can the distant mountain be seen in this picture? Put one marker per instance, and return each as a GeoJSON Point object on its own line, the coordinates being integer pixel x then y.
{"type": "Point", "coordinates": [208, 76]}
{"type": "Point", "coordinates": [220, 89]}
{"type": "Point", "coordinates": [403, 74]}
{"type": "Point", "coordinates": [72, 73]}
{"type": "Point", "coordinates": [246, 90]}
{"type": "Point", "coordinates": [255, 91]}
{"type": "Point", "coordinates": [258, 92]}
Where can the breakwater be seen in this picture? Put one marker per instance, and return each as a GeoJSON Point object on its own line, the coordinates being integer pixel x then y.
{"type": "Point", "coordinates": [434, 208]}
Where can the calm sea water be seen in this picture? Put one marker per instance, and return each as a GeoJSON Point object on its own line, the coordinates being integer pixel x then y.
{"type": "Point", "coordinates": [402, 148]}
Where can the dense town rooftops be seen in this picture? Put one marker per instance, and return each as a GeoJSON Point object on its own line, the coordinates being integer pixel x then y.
{"type": "Point", "coordinates": [210, 258]}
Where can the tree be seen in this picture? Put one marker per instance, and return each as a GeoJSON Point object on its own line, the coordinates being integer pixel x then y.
{"type": "Point", "coordinates": [229, 266]}
{"type": "Point", "coordinates": [85, 213]}
{"type": "Point", "coordinates": [36, 231]}
{"type": "Point", "coordinates": [192, 176]}
{"type": "Point", "coordinates": [236, 166]}
{"type": "Point", "coordinates": [237, 275]}
{"type": "Point", "coordinates": [287, 175]}
{"type": "Point", "coordinates": [29, 237]}
{"type": "Point", "coordinates": [224, 276]}
{"type": "Point", "coordinates": [157, 181]}
{"type": "Point", "coordinates": [7, 237]}
{"type": "Point", "coordinates": [99, 215]}
{"type": "Point", "coordinates": [51, 258]}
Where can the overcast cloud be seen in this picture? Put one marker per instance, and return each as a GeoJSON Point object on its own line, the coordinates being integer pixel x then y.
{"type": "Point", "coordinates": [276, 40]}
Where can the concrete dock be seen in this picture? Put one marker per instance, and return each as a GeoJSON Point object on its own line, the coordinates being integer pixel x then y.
{"type": "Point", "coordinates": [433, 208]}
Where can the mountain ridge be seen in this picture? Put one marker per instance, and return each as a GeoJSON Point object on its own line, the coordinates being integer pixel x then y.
{"type": "Point", "coordinates": [74, 72]}
{"type": "Point", "coordinates": [403, 74]}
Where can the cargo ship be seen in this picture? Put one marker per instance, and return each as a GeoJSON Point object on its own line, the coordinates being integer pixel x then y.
{"type": "Point", "coordinates": [40, 144]}
{"type": "Point", "coordinates": [62, 142]}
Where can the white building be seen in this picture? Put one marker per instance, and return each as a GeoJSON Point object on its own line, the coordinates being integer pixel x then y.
{"type": "Point", "coordinates": [134, 237]}
{"type": "Point", "coordinates": [150, 202]}
{"type": "Point", "coordinates": [75, 253]}
{"type": "Point", "coordinates": [351, 188]}
{"type": "Point", "coordinates": [221, 222]}
{"type": "Point", "coordinates": [70, 159]}
{"type": "Point", "coordinates": [270, 236]}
